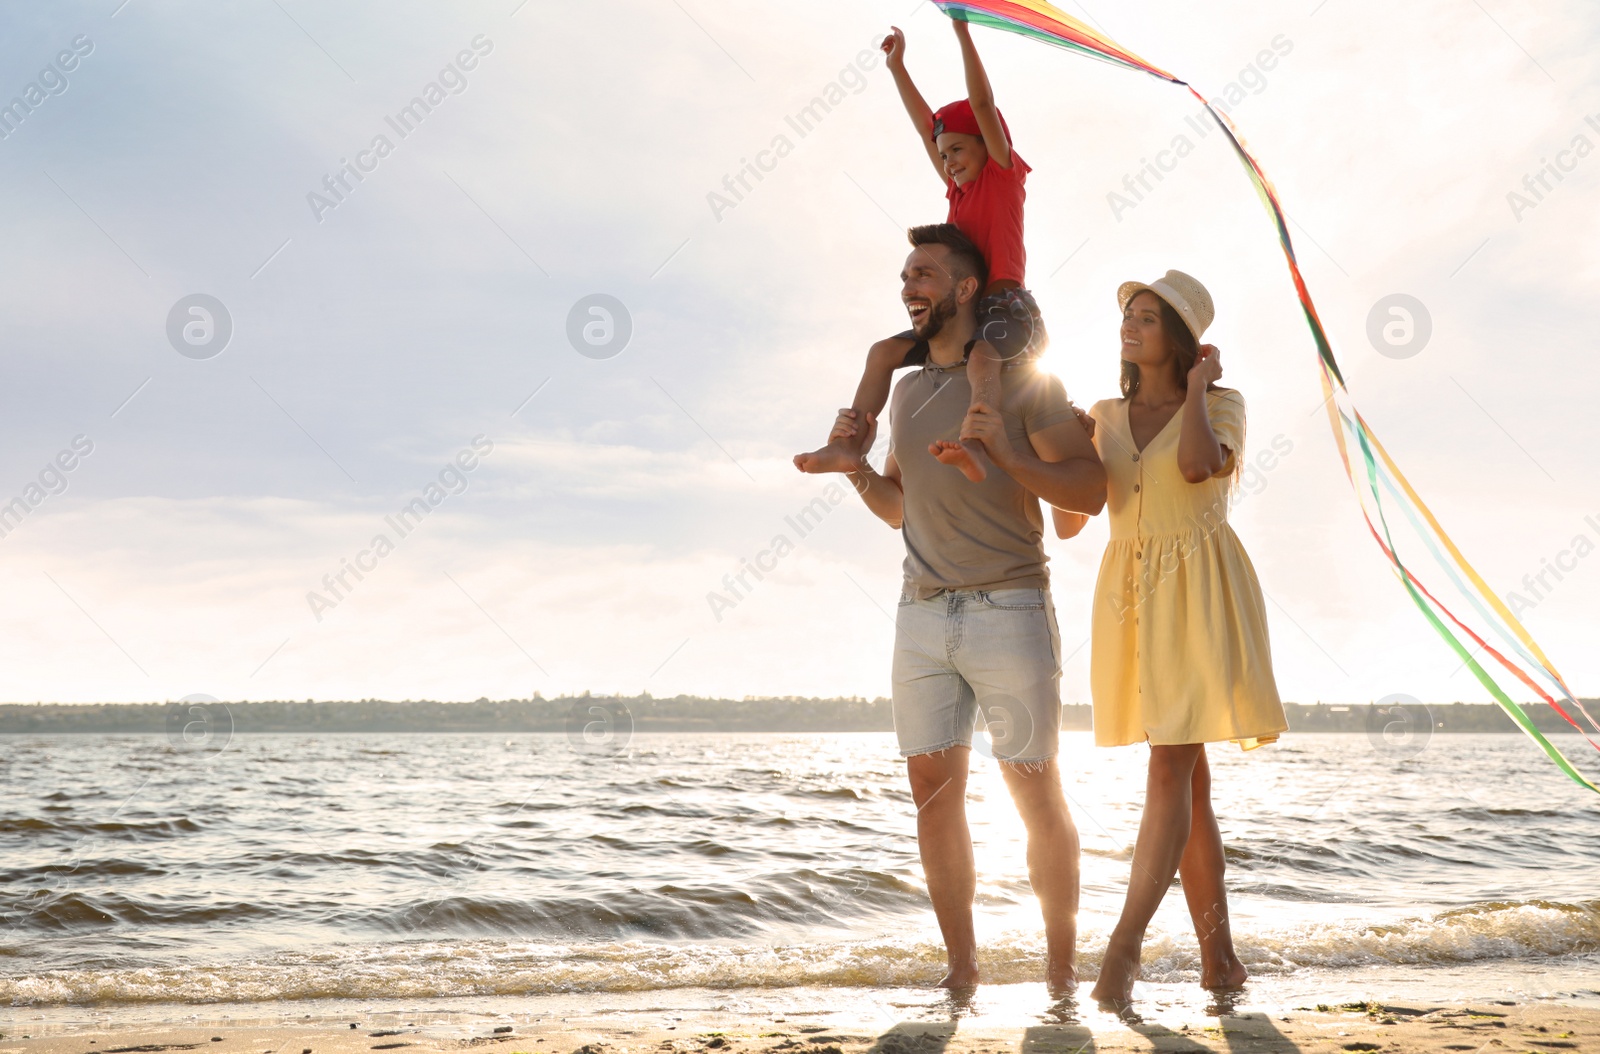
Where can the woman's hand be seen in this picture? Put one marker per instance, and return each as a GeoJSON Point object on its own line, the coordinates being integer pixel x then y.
{"type": "Point", "coordinates": [984, 424]}
{"type": "Point", "coordinates": [1200, 456]}
{"type": "Point", "coordinates": [894, 46]}
{"type": "Point", "coordinates": [1067, 524]}
{"type": "Point", "coordinates": [1207, 368]}
{"type": "Point", "coordinates": [1083, 418]}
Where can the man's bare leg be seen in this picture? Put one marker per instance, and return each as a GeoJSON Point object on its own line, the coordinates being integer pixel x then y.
{"type": "Point", "coordinates": [844, 453]}
{"type": "Point", "coordinates": [1163, 836]}
{"type": "Point", "coordinates": [939, 788]}
{"type": "Point", "coordinates": [1052, 863]}
{"type": "Point", "coordinates": [983, 377]}
{"type": "Point", "coordinates": [1202, 870]}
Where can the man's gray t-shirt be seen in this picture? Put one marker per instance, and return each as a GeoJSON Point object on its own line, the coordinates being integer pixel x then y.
{"type": "Point", "coordinates": [960, 534]}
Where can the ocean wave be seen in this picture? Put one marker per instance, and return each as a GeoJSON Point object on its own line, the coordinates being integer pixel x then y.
{"type": "Point", "coordinates": [1492, 930]}
{"type": "Point", "coordinates": [163, 828]}
{"type": "Point", "coordinates": [441, 969]}
{"type": "Point", "coordinates": [50, 911]}
{"type": "Point", "coordinates": [569, 910]}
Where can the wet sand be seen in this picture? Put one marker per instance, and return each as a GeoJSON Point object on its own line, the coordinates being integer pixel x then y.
{"type": "Point", "coordinates": [1487, 1027]}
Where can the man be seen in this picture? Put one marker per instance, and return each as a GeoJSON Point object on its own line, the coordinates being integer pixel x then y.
{"type": "Point", "coordinates": [976, 629]}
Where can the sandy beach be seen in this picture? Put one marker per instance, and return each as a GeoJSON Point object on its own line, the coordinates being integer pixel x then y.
{"type": "Point", "coordinates": [1401, 1029]}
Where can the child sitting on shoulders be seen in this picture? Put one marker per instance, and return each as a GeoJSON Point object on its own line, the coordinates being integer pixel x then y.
{"type": "Point", "coordinates": [970, 146]}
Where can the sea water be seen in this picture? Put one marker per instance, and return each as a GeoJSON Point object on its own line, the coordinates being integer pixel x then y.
{"type": "Point", "coordinates": [311, 868]}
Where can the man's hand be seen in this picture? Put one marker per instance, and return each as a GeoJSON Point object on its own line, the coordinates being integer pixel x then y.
{"type": "Point", "coordinates": [894, 46]}
{"type": "Point", "coordinates": [984, 424]}
{"type": "Point", "coordinates": [872, 431]}
{"type": "Point", "coordinates": [844, 426]}
{"type": "Point", "coordinates": [881, 491]}
{"type": "Point", "coordinates": [1059, 464]}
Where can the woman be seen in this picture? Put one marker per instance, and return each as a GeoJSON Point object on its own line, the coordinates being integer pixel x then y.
{"type": "Point", "coordinates": [1180, 655]}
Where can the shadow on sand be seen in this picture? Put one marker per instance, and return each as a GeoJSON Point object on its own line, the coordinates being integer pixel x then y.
{"type": "Point", "coordinates": [1242, 1033]}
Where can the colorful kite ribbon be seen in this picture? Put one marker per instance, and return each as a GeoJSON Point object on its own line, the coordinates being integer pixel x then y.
{"type": "Point", "coordinates": [1380, 476]}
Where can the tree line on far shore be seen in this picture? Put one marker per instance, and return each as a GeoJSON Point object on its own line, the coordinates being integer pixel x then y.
{"type": "Point", "coordinates": [648, 714]}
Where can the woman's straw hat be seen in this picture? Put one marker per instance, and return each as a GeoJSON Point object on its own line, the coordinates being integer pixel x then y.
{"type": "Point", "coordinates": [1186, 295]}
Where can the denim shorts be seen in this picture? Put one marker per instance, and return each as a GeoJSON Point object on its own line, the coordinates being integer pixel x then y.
{"type": "Point", "coordinates": [962, 653]}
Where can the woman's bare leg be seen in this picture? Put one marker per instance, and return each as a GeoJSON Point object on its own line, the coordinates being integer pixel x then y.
{"type": "Point", "coordinates": [1202, 870]}
{"type": "Point", "coordinates": [1163, 835]}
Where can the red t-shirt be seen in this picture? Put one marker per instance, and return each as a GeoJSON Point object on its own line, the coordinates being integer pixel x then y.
{"type": "Point", "coordinates": [989, 211]}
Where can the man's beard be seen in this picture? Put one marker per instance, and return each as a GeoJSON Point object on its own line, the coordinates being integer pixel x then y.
{"type": "Point", "coordinates": [938, 314]}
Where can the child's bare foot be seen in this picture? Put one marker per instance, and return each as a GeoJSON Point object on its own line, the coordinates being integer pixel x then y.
{"type": "Point", "coordinates": [1118, 970]}
{"type": "Point", "coordinates": [840, 455]}
{"type": "Point", "coordinates": [961, 456]}
{"type": "Point", "coordinates": [846, 446]}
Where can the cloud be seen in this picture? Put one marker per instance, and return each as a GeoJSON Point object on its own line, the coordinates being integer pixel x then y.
{"type": "Point", "coordinates": [428, 306]}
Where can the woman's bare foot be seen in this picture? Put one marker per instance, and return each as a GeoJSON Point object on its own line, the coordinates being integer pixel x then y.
{"type": "Point", "coordinates": [840, 455]}
{"type": "Point", "coordinates": [1221, 976]}
{"type": "Point", "coordinates": [959, 455]}
{"type": "Point", "coordinates": [1118, 970]}
{"type": "Point", "coordinates": [960, 977]}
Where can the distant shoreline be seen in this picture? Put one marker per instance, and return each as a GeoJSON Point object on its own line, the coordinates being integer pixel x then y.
{"type": "Point", "coordinates": [593, 715]}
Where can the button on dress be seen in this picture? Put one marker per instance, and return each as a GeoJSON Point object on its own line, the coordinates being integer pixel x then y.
{"type": "Point", "coordinates": [1180, 651]}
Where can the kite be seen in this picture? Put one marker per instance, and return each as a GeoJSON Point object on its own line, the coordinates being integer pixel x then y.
{"type": "Point", "coordinates": [1378, 477]}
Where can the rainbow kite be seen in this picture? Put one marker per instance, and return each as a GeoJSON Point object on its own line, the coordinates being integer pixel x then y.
{"type": "Point", "coordinates": [1521, 658]}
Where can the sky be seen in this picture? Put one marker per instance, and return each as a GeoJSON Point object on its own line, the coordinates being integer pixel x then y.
{"type": "Point", "coordinates": [172, 183]}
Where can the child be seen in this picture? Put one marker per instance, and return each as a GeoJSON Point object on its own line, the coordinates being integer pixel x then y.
{"type": "Point", "coordinates": [970, 146]}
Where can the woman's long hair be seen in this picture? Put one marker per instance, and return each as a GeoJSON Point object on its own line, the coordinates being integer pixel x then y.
{"type": "Point", "coordinates": [1188, 349]}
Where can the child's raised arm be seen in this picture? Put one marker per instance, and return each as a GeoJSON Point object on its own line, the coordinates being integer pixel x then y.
{"type": "Point", "coordinates": [981, 96]}
{"type": "Point", "coordinates": [894, 46]}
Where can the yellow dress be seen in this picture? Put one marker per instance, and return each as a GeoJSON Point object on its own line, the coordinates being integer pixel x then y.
{"type": "Point", "coordinates": [1180, 652]}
